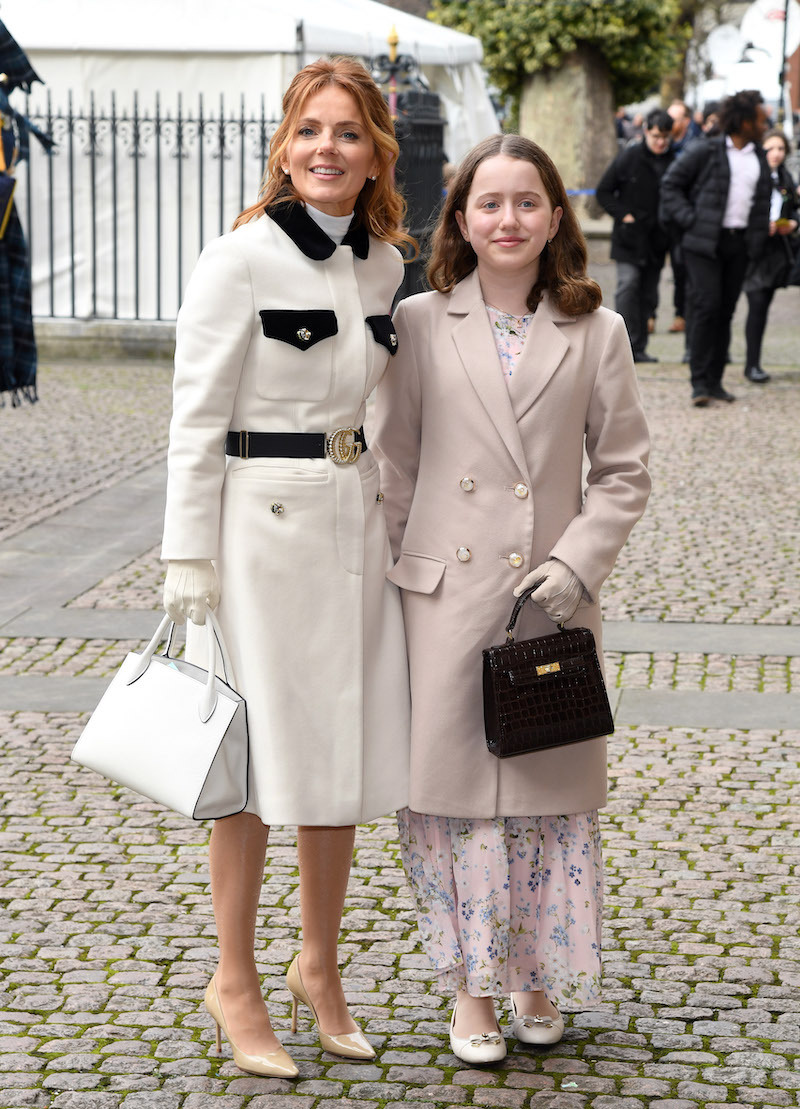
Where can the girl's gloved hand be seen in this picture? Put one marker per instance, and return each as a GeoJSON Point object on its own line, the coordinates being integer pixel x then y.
{"type": "Point", "coordinates": [559, 593]}
{"type": "Point", "coordinates": [191, 585]}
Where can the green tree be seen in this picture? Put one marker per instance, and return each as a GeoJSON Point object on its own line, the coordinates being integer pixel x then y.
{"type": "Point", "coordinates": [639, 40]}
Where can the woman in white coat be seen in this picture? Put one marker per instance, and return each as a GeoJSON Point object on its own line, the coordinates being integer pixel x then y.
{"type": "Point", "coordinates": [274, 512]}
{"type": "Point", "coordinates": [505, 375]}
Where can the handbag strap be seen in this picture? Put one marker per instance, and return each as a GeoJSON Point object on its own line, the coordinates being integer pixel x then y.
{"type": "Point", "coordinates": [517, 609]}
{"type": "Point", "coordinates": [215, 642]}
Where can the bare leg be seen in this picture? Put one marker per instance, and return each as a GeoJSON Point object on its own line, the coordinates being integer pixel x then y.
{"type": "Point", "coordinates": [237, 852]}
{"type": "Point", "coordinates": [324, 856]}
{"type": "Point", "coordinates": [474, 1015]}
{"type": "Point", "coordinates": [534, 1003]}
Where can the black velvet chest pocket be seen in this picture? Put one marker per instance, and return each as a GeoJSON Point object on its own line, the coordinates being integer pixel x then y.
{"type": "Point", "coordinates": [302, 329]}
{"type": "Point", "coordinates": [383, 332]}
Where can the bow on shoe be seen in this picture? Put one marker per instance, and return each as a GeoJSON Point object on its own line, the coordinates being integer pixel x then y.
{"type": "Point", "coordinates": [529, 1021]}
{"type": "Point", "coordinates": [485, 1039]}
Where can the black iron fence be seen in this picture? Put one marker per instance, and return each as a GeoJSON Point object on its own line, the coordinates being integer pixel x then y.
{"type": "Point", "coordinates": [118, 213]}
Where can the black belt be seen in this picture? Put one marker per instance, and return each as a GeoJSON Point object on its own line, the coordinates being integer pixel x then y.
{"type": "Point", "coordinates": [343, 445]}
{"type": "Point", "coordinates": [734, 230]}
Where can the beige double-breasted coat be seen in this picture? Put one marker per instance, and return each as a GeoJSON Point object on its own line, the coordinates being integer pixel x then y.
{"type": "Point", "coordinates": [481, 484]}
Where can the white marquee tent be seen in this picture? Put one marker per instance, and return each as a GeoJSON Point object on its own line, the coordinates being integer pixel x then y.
{"type": "Point", "coordinates": [241, 51]}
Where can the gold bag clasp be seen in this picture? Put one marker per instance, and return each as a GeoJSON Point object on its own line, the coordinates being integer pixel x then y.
{"type": "Point", "coordinates": [548, 668]}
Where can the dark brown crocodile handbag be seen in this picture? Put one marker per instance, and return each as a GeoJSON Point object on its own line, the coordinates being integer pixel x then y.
{"type": "Point", "coordinates": [544, 692]}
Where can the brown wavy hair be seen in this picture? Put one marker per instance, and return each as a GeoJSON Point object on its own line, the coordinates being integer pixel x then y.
{"type": "Point", "coordinates": [562, 263]}
{"type": "Point", "coordinates": [379, 206]}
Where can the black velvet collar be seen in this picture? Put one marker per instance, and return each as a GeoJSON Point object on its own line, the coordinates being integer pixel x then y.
{"type": "Point", "coordinates": [309, 237]}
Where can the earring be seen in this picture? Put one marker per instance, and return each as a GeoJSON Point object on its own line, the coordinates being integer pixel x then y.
{"type": "Point", "coordinates": [374, 177]}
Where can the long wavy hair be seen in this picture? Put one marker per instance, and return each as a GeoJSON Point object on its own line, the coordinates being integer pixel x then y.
{"type": "Point", "coordinates": [562, 263]}
{"type": "Point", "coordinates": [379, 206]}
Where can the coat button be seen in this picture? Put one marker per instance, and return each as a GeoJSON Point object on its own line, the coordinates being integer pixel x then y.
{"type": "Point", "coordinates": [463, 554]}
{"type": "Point", "coordinates": [304, 334]}
{"type": "Point", "coordinates": [467, 484]}
{"type": "Point", "coordinates": [515, 560]}
{"type": "Point", "coordinates": [521, 490]}
{"type": "Point", "coordinates": [379, 498]}
{"type": "Point", "coordinates": [277, 508]}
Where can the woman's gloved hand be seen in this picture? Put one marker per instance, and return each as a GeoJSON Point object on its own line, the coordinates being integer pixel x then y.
{"type": "Point", "coordinates": [560, 592]}
{"type": "Point", "coordinates": [191, 585]}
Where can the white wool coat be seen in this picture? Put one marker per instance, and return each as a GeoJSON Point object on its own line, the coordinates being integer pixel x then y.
{"type": "Point", "coordinates": [283, 331]}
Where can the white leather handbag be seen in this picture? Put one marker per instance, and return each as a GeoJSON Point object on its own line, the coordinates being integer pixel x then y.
{"type": "Point", "coordinates": [172, 731]}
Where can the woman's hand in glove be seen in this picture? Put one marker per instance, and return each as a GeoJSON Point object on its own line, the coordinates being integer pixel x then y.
{"type": "Point", "coordinates": [560, 592]}
{"type": "Point", "coordinates": [191, 585]}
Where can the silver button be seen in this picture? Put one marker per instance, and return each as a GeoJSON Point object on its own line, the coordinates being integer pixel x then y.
{"type": "Point", "coordinates": [463, 554]}
{"type": "Point", "coordinates": [379, 498]}
{"type": "Point", "coordinates": [277, 508]}
{"type": "Point", "coordinates": [515, 560]}
{"type": "Point", "coordinates": [521, 490]}
{"type": "Point", "coordinates": [304, 334]}
{"type": "Point", "coordinates": [393, 339]}
{"type": "Point", "coordinates": [467, 484]}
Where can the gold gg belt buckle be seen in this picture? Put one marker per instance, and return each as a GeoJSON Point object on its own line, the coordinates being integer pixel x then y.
{"type": "Point", "coordinates": [343, 445]}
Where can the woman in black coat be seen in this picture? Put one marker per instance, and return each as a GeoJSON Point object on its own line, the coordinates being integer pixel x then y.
{"type": "Point", "coordinates": [770, 270]}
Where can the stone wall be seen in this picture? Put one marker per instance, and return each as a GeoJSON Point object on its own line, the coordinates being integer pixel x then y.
{"type": "Point", "coordinates": [570, 112]}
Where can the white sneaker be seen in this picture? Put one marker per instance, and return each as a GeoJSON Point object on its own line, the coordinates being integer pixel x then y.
{"type": "Point", "coordinates": [536, 1030]}
{"type": "Point", "coordinates": [483, 1047]}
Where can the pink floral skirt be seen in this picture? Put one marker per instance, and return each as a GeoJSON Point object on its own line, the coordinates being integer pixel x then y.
{"type": "Point", "coordinates": [509, 904]}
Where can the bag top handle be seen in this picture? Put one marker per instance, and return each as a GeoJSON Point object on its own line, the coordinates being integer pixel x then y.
{"type": "Point", "coordinates": [518, 607]}
{"type": "Point", "coordinates": [208, 701]}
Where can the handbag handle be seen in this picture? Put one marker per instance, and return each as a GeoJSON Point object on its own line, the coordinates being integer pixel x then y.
{"type": "Point", "coordinates": [208, 701]}
{"type": "Point", "coordinates": [518, 607]}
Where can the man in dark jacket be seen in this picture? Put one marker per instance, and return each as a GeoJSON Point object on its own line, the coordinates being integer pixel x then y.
{"type": "Point", "coordinates": [628, 190]}
{"type": "Point", "coordinates": [717, 193]}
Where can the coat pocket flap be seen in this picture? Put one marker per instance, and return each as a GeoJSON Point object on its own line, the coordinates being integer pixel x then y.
{"type": "Point", "coordinates": [301, 329]}
{"type": "Point", "coordinates": [417, 572]}
{"type": "Point", "coordinates": [383, 332]}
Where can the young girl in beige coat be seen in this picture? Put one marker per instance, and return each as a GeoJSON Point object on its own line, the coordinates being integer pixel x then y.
{"type": "Point", "coordinates": [505, 376]}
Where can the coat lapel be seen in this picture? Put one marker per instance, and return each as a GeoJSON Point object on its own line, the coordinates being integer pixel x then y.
{"type": "Point", "coordinates": [544, 349]}
{"type": "Point", "coordinates": [475, 344]}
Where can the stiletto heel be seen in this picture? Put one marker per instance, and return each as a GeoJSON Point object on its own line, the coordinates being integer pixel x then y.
{"type": "Point", "coordinates": [350, 1045]}
{"type": "Point", "coordinates": [276, 1064]}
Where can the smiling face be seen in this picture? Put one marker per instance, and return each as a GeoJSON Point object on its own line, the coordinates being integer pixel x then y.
{"type": "Point", "coordinates": [508, 217]}
{"type": "Point", "coordinates": [330, 154]}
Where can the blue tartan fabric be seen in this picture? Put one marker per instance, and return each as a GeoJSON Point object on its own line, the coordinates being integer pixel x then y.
{"type": "Point", "coordinates": [17, 342]}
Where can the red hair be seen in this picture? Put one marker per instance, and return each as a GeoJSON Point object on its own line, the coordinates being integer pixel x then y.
{"type": "Point", "coordinates": [379, 207]}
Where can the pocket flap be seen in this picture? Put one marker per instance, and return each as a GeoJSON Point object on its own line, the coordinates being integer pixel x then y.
{"type": "Point", "coordinates": [301, 329]}
{"type": "Point", "coordinates": [384, 332]}
{"type": "Point", "coordinates": [417, 572]}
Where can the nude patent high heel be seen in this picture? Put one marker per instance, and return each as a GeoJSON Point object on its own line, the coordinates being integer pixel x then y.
{"type": "Point", "coordinates": [276, 1064]}
{"type": "Point", "coordinates": [350, 1045]}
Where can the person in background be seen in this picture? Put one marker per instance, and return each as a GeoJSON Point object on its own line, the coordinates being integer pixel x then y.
{"type": "Point", "coordinates": [506, 373]}
{"type": "Point", "coordinates": [684, 131]}
{"type": "Point", "coordinates": [274, 512]}
{"type": "Point", "coordinates": [771, 270]}
{"type": "Point", "coordinates": [629, 191]}
{"type": "Point", "coordinates": [718, 195]}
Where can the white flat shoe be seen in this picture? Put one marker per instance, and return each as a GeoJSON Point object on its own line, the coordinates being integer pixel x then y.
{"type": "Point", "coordinates": [483, 1047]}
{"type": "Point", "coordinates": [536, 1030]}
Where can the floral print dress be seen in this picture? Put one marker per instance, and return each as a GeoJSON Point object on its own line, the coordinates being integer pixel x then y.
{"type": "Point", "coordinates": [510, 903]}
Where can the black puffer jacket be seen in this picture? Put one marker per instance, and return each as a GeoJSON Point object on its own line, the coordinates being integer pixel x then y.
{"type": "Point", "coordinates": [630, 185]}
{"type": "Point", "coordinates": [694, 193]}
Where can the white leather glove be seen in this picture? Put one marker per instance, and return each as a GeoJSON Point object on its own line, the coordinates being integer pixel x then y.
{"type": "Point", "coordinates": [191, 585]}
{"type": "Point", "coordinates": [560, 592]}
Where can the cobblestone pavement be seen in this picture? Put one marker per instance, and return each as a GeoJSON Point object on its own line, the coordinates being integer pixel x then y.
{"type": "Point", "coordinates": [107, 937]}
